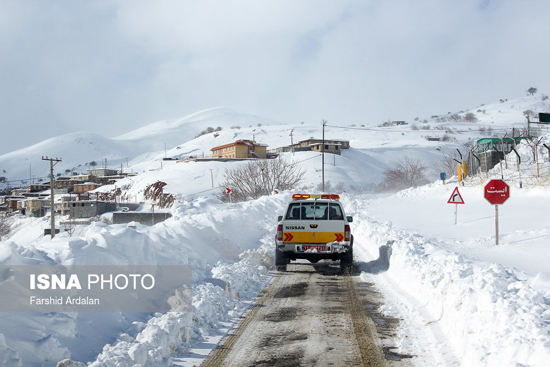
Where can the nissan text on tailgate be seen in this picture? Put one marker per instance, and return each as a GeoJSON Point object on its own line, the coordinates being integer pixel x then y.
{"type": "Point", "coordinates": [314, 227]}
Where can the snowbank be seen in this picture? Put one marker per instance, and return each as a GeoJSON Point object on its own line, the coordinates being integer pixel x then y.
{"type": "Point", "coordinates": [229, 268]}
{"type": "Point", "coordinates": [468, 311]}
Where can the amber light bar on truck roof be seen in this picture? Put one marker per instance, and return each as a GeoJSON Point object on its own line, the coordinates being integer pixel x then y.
{"type": "Point", "coordinates": [315, 196]}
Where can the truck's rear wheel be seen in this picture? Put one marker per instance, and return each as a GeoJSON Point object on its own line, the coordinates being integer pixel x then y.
{"type": "Point", "coordinates": [280, 260]}
{"type": "Point", "coordinates": [346, 260]}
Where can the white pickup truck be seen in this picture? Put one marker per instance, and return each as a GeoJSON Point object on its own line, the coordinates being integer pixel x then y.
{"type": "Point", "coordinates": [314, 227]}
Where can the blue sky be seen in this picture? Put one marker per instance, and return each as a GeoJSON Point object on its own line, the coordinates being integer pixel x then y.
{"type": "Point", "coordinates": [112, 66]}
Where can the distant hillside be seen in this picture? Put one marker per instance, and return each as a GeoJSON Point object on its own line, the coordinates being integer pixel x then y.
{"type": "Point", "coordinates": [374, 148]}
{"type": "Point", "coordinates": [77, 150]}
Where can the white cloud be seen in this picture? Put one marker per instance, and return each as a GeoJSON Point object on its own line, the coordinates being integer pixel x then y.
{"type": "Point", "coordinates": [113, 66]}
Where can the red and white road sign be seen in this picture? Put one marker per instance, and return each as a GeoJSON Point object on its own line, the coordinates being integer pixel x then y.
{"type": "Point", "coordinates": [455, 198]}
{"type": "Point", "coordinates": [497, 192]}
{"type": "Point", "coordinates": [228, 190]}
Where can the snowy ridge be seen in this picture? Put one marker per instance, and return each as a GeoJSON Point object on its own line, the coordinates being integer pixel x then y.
{"type": "Point", "coordinates": [378, 147]}
{"type": "Point", "coordinates": [78, 149]}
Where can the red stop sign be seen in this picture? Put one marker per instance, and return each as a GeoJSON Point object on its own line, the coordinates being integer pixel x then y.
{"type": "Point", "coordinates": [497, 192]}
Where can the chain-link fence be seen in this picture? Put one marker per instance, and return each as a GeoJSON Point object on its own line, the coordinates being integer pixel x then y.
{"type": "Point", "coordinates": [511, 170]}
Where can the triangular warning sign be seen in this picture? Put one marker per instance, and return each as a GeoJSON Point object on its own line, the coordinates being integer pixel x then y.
{"type": "Point", "coordinates": [455, 197]}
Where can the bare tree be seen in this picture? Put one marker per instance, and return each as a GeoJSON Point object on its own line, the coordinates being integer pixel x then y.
{"type": "Point", "coordinates": [260, 177]}
{"type": "Point", "coordinates": [5, 225]}
{"type": "Point", "coordinates": [470, 117]}
{"type": "Point", "coordinates": [70, 225]}
{"type": "Point", "coordinates": [447, 164]}
{"type": "Point", "coordinates": [529, 113]}
{"type": "Point", "coordinates": [533, 143]}
{"type": "Point", "coordinates": [155, 193]}
{"type": "Point", "coordinates": [532, 91]}
{"type": "Point", "coordinates": [407, 173]}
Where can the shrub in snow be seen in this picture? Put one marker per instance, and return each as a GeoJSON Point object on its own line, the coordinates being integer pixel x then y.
{"type": "Point", "coordinates": [407, 173]}
{"type": "Point", "coordinates": [5, 225]}
{"type": "Point", "coordinates": [70, 363]}
{"type": "Point", "coordinates": [260, 177]}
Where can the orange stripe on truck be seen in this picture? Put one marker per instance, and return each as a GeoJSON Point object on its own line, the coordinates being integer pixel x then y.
{"type": "Point", "coordinates": [312, 237]}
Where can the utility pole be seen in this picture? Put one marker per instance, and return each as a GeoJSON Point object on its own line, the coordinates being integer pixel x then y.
{"type": "Point", "coordinates": [164, 150]}
{"type": "Point", "coordinates": [52, 196]}
{"type": "Point", "coordinates": [323, 153]}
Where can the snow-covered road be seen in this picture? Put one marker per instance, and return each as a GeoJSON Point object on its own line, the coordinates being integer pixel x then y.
{"type": "Point", "coordinates": [311, 315]}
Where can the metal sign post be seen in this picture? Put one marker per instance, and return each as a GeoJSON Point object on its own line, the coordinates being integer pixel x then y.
{"type": "Point", "coordinates": [456, 199]}
{"type": "Point", "coordinates": [228, 192]}
{"type": "Point", "coordinates": [496, 225]}
{"type": "Point", "coordinates": [497, 192]}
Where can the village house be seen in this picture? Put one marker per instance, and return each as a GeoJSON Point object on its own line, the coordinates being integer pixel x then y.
{"type": "Point", "coordinates": [344, 144]}
{"type": "Point", "coordinates": [38, 187]}
{"type": "Point", "coordinates": [85, 187]}
{"type": "Point", "coordinates": [334, 148]}
{"type": "Point", "coordinates": [331, 146]}
{"type": "Point", "coordinates": [34, 207]}
{"type": "Point", "coordinates": [90, 208]}
{"type": "Point", "coordinates": [102, 172]}
{"type": "Point", "coordinates": [81, 178]}
{"type": "Point", "coordinates": [64, 206]}
{"type": "Point", "coordinates": [64, 182]}
{"type": "Point", "coordinates": [240, 149]}
{"type": "Point", "coordinates": [10, 202]}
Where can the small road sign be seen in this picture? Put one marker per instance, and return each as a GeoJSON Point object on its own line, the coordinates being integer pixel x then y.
{"type": "Point", "coordinates": [228, 190]}
{"type": "Point", "coordinates": [497, 192]}
{"type": "Point", "coordinates": [455, 198]}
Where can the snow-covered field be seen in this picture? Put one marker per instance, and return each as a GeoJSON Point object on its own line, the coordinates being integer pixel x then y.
{"type": "Point", "coordinates": [462, 300]}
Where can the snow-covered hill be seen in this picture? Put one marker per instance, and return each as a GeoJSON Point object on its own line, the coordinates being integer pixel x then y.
{"type": "Point", "coordinates": [376, 148]}
{"type": "Point", "coordinates": [78, 150]}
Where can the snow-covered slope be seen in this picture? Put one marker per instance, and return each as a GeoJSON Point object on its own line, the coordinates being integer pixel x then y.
{"type": "Point", "coordinates": [77, 150]}
{"type": "Point", "coordinates": [381, 147]}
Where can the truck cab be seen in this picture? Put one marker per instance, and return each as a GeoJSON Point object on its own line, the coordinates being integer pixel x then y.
{"type": "Point", "coordinates": [314, 227]}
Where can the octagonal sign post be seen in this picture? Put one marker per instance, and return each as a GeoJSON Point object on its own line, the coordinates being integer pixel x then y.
{"type": "Point", "coordinates": [497, 192]}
